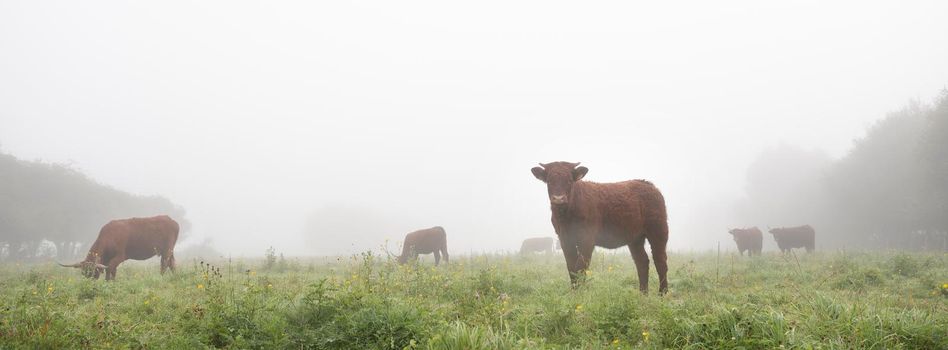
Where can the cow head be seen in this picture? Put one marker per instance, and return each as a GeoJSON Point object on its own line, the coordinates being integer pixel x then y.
{"type": "Point", "coordinates": [90, 269]}
{"type": "Point", "coordinates": [559, 178]}
{"type": "Point", "coordinates": [776, 233]}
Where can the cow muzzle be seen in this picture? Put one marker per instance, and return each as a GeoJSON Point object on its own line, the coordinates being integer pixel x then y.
{"type": "Point", "coordinates": [558, 200]}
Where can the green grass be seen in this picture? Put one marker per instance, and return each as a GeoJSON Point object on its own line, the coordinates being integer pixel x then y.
{"type": "Point", "coordinates": [824, 300]}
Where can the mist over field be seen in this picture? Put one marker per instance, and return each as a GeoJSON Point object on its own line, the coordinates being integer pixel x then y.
{"type": "Point", "coordinates": [333, 128]}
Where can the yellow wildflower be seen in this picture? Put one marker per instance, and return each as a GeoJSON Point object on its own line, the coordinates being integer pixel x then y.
{"type": "Point", "coordinates": [615, 342]}
{"type": "Point", "coordinates": [269, 286]}
{"type": "Point", "coordinates": [579, 307]}
{"type": "Point", "coordinates": [645, 336]}
{"type": "Point", "coordinates": [200, 286]}
{"type": "Point", "coordinates": [146, 302]}
{"type": "Point", "coordinates": [944, 286]}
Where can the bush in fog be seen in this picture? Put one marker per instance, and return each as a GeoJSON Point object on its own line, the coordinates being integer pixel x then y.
{"type": "Point", "coordinates": [889, 191]}
{"type": "Point", "coordinates": [41, 201]}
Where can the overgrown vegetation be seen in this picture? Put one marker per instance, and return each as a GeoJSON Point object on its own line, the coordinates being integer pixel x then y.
{"type": "Point", "coordinates": [847, 300]}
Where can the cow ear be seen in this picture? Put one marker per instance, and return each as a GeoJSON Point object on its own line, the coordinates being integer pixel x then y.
{"type": "Point", "coordinates": [579, 173]}
{"type": "Point", "coordinates": [539, 173]}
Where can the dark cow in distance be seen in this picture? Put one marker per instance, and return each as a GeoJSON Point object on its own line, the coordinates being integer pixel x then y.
{"type": "Point", "coordinates": [749, 239]}
{"type": "Point", "coordinates": [537, 244]}
{"type": "Point", "coordinates": [136, 239]}
{"type": "Point", "coordinates": [795, 237]}
{"type": "Point", "coordinates": [610, 215]}
{"type": "Point", "coordinates": [427, 241]}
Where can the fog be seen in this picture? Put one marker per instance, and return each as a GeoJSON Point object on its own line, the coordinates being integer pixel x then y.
{"type": "Point", "coordinates": [277, 124]}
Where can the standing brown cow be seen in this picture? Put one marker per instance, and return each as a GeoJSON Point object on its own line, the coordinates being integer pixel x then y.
{"type": "Point", "coordinates": [427, 241]}
{"type": "Point", "coordinates": [609, 215]}
{"type": "Point", "coordinates": [795, 237]}
{"type": "Point", "coordinates": [538, 244]}
{"type": "Point", "coordinates": [749, 239]}
{"type": "Point", "coordinates": [136, 239]}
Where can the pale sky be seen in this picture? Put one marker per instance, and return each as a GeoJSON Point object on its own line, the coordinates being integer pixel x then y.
{"type": "Point", "coordinates": [252, 115]}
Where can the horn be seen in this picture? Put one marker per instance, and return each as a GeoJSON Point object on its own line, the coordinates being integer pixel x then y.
{"type": "Point", "coordinates": [78, 264]}
{"type": "Point", "coordinates": [100, 266]}
{"type": "Point", "coordinates": [542, 165]}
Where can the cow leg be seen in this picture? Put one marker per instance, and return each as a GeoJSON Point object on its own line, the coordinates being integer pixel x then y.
{"type": "Point", "coordinates": [641, 263]}
{"type": "Point", "coordinates": [444, 250]}
{"type": "Point", "coordinates": [570, 253]}
{"type": "Point", "coordinates": [585, 250]}
{"type": "Point", "coordinates": [661, 261]}
{"type": "Point", "coordinates": [437, 255]}
{"type": "Point", "coordinates": [112, 268]}
{"type": "Point", "coordinates": [167, 262]}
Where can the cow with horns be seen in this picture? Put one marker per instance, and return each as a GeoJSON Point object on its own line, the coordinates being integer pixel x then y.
{"type": "Point", "coordinates": [610, 215]}
{"type": "Point", "coordinates": [136, 239]}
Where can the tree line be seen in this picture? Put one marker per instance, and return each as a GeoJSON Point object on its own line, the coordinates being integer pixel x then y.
{"type": "Point", "coordinates": [51, 209]}
{"type": "Point", "coordinates": [890, 191]}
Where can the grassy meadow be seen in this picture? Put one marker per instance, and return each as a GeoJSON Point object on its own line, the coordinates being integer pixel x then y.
{"type": "Point", "coordinates": [823, 300]}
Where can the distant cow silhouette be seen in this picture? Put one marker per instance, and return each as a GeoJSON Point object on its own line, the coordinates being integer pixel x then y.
{"type": "Point", "coordinates": [538, 244]}
{"type": "Point", "coordinates": [427, 241]}
{"type": "Point", "coordinates": [136, 239]}
{"type": "Point", "coordinates": [749, 239]}
{"type": "Point", "coordinates": [609, 215]}
{"type": "Point", "coordinates": [795, 237]}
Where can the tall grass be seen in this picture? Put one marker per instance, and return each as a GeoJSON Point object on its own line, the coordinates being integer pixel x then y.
{"type": "Point", "coordinates": [824, 300]}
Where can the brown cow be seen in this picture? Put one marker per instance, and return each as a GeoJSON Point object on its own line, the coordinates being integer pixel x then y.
{"type": "Point", "coordinates": [136, 239]}
{"type": "Point", "coordinates": [749, 239]}
{"type": "Point", "coordinates": [795, 237]}
{"type": "Point", "coordinates": [609, 215]}
{"type": "Point", "coordinates": [538, 244]}
{"type": "Point", "coordinates": [427, 241]}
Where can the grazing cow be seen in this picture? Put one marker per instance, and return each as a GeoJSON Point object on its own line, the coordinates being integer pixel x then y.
{"type": "Point", "coordinates": [749, 239]}
{"type": "Point", "coordinates": [609, 215]}
{"type": "Point", "coordinates": [136, 239]}
{"type": "Point", "coordinates": [538, 244]}
{"type": "Point", "coordinates": [427, 241]}
{"type": "Point", "coordinates": [795, 237]}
